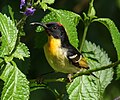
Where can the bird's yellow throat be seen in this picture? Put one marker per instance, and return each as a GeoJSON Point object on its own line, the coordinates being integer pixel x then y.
{"type": "Point", "coordinates": [53, 44]}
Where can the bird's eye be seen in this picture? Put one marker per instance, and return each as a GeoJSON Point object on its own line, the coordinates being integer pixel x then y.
{"type": "Point", "coordinates": [54, 28]}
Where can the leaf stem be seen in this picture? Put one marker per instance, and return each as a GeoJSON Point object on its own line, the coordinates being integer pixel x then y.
{"type": "Point", "coordinates": [36, 3]}
{"type": "Point", "coordinates": [84, 36]}
{"type": "Point", "coordinates": [21, 22]}
{"type": "Point", "coordinates": [33, 81]}
{"type": "Point", "coordinates": [19, 26]}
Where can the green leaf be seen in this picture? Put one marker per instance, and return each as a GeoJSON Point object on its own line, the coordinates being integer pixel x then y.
{"type": "Point", "coordinates": [113, 31]}
{"type": "Point", "coordinates": [115, 34]}
{"type": "Point", "coordinates": [21, 51]}
{"type": "Point", "coordinates": [48, 1]}
{"type": "Point", "coordinates": [118, 72]}
{"type": "Point", "coordinates": [9, 35]}
{"type": "Point", "coordinates": [68, 19]}
{"type": "Point", "coordinates": [16, 86]}
{"type": "Point", "coordinates": [45, 2]}
{"type": "Point", "coordinates": [44, 6]}
{"type": "Point", "coordinates": [88, 87]}
{"type": "Point", "coordinates": [8, 58]}
{"type": "Point", "coordinates": [11, 13]}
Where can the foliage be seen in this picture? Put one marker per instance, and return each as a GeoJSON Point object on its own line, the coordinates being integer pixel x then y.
{"type": "Point", "coordinates": [16, 86]}
{"type": "Point", "coordinates": [114, 34]}
{"type": "Point", "coordinates": [84, 87]}
{"type": "Point", "coordinates": [64, 18]}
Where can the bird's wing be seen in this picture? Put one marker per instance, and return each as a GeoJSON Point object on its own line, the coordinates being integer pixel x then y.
{"type": "Point", "coordinates": [76, 58]}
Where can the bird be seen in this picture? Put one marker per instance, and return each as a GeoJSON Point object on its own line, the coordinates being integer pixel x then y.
{"type": "Point", "coordinates": [61, 55]}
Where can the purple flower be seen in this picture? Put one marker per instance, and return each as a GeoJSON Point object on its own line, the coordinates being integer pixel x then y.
{"type": "Point", "coordinates": [29, 11]}
{"type": "Point", "coordinates": [22, 3]}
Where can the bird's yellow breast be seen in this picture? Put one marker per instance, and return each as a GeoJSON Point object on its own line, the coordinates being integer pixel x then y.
{"type": "Point", "coordinates": [56, 56]}
{"type": "Point", "coordinates": [53, 45]}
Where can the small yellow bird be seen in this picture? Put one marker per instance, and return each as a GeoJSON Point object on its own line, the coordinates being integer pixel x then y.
{"type": "Point", "coordinates": [60, 54]}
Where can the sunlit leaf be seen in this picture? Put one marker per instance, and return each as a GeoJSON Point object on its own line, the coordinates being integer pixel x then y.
{"type": "Point", "coordinates": [16, 86]}
{"type": "Point", "coordinates": [9, 35]}
{"type": "Point", "coordinates": [21, 51]}
{"type": "Point", "coordinates": [44, 3]}
{"type": "Point", "coordinates": [88, 87]}
{"type": "Point", "coordinates": [115, 34]}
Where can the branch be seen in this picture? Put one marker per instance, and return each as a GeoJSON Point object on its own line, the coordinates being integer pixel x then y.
{"type": "Point", "coordinates": [96, 69]}
{"type": "Point", "coordinates": [87, 72]}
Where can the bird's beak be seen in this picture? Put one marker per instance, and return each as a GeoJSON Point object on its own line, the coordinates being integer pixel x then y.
{"type": "Point", "coordinates": [41, 24]}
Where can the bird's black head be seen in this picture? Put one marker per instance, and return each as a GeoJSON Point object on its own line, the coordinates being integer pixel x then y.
{"type": "Point", "coordinates": [55, 29]}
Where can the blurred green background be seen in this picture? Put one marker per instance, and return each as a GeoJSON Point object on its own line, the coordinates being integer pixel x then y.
{"type": "Point", "coordinates": [37, 64]}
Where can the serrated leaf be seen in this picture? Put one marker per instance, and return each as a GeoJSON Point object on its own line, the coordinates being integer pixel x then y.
{"type": "Point", "coordinates": [115, 34]}
{"type": "Point", "coordinates": [21, 51]}
{"type": "Point", "coordinates": [16, 86]}
{"type": "Point", "coordinates": [68, 19]}
{"type": "Point", "coordinates": [118, 72]}
{"type": "Point", "coordinates": [9, 35]}
{"type": "Point", "coordinates": [88, 87]}
{"type": "Point", "coordinates": [113, 31]}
